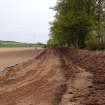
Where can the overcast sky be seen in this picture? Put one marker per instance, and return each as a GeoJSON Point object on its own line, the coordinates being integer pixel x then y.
{"type": "Point", "coordinates": [25, 20]}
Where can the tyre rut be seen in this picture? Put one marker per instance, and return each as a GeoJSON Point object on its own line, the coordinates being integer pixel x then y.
{"type": "Point", "coordinates": [73, 91]}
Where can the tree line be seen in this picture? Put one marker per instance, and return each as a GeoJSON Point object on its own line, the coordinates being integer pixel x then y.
{"type": "Point", "coordinates": [78, 23]}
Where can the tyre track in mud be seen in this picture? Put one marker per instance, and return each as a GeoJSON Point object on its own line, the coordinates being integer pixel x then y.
{"type": "Point", "coordinates": [34, 88]}
{"type": "Point", "coordinates": [55, 77]}
{"type": "Point", "coordinates": [95, 64]}
{"type": "Point", "coordinates": [9, 86]}
{"type": "Point", "coordinates": [76, 85]}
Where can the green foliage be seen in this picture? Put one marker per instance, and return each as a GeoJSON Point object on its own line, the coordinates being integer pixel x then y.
{"type": "Point", "coordinates": [39, 44]}
{"type": "Point", "coordinates": [74, 21]}
{"type": "Point", "coordinates": [51, 43]}
{"type": "Point", "coordinates": [11, 44]}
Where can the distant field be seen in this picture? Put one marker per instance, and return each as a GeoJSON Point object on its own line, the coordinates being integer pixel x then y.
{"type": "Point", "coordinates": [11, 56]}
{"type": "Point", "coordinates": [13, 44]}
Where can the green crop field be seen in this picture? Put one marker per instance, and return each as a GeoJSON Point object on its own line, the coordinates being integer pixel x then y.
{"type": "Point", "coordinates": [15, 44]}
{"type": "Point", "coordinates": [12, 44]}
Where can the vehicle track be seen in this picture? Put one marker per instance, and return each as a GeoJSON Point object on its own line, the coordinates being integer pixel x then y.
{"type": "Point", "coordinates": [37, 81]}
{"type": "Point", "coordinates": [73, 90]}
{"type": "Point", "coordinates": [57, 76]}
{"type": "Point", "coordinates": [95, 64]}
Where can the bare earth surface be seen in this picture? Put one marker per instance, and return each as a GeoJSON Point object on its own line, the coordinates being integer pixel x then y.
{"type": "Point", "coordinates": [11, 56]}
{"type": "Point", "coordinates": [55, 77]}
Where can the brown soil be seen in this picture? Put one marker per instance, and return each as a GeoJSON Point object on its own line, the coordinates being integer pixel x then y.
{"type": "Point", "coordinates": [12, 56]}
{"type": "Point", "coordinates": [55, 77]}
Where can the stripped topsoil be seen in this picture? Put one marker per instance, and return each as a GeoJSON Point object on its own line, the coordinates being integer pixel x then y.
{"type": "Point", "coordinates": [55, 77]}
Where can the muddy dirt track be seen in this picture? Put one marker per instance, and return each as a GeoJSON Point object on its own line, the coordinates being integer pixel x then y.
{"type": "Point", "coordinates": [55, 77]}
